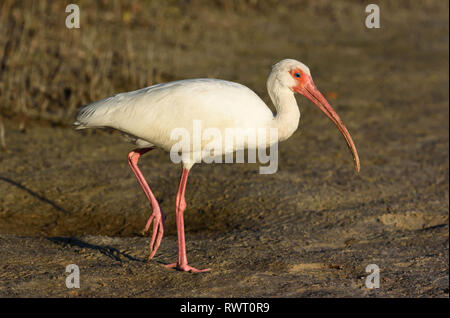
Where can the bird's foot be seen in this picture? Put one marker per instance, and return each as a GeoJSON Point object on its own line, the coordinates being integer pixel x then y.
{"type": "Point", "coordinates": [186, 268]}
{"type": "Point", "coordinates": [158, 217]}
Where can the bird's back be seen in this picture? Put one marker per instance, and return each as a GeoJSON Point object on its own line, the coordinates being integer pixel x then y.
{"type": "Point", "coordinates": [153, 112]}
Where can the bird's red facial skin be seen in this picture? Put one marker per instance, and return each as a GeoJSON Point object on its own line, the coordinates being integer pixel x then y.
{"type": "Point", "coordinates": [301, 81]}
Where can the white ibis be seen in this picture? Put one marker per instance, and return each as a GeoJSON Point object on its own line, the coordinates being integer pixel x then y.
{"type": "Point", "coordinates": [149, 115]}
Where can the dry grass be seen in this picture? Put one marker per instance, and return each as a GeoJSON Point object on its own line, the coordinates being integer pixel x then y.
{"type": "Point", "coordinates": [47, 71]}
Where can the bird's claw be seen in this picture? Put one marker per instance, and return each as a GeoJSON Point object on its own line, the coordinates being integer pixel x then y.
{"type": "Point", "coordinates": [158, 218]}
{"type": "Point", "coordinates": [186, 268]}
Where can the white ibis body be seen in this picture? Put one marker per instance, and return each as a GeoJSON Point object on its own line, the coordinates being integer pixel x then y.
{"type": "Point", "coordinates": [149, 116]}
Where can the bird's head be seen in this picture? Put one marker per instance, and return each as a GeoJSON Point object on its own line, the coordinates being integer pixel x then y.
{"type": "Point", "coordinates": [296, 76]}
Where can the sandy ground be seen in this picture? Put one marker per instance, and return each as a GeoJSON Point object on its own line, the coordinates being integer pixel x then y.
{"type": "Point", "coordinates": [309, 230]}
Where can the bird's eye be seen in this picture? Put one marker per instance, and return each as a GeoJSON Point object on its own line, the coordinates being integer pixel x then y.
{"type": "Point", "coordinates": [297, 75]}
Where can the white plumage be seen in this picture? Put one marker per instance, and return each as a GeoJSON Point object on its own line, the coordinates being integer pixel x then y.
{"type": "Point", "coordinates": [151, 113]}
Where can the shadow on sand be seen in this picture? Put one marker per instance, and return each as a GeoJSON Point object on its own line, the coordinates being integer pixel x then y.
{"type": "Point", "coordinates": [111, 252]}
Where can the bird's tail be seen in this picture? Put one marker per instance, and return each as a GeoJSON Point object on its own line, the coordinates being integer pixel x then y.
{"type": "Point", "coordinates": [78, 125]}
{"type": "Point", "coordinates": [94, 115]}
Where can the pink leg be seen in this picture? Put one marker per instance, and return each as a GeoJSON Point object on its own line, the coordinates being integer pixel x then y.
{"type": "Point", "coordinates": [157, 215]}
{"type": "Point", "coordinates": [182, 264]}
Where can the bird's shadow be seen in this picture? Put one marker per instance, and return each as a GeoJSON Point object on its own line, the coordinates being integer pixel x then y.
{"type": "Point", "coordinates": [36, 195]}
{"type": "Point", "coordinates": [108, 251]}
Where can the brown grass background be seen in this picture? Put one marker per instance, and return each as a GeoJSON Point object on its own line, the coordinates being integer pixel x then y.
{"type": "Point", "coordinates": [48, 71]}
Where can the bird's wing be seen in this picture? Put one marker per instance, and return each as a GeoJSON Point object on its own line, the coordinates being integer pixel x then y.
{"type": "Point", "coordinates": [98, 114]}
{"type": "Point", "coordinates": [153, 112]}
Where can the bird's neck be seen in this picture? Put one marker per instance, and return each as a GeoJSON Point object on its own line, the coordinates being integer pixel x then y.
{"type": "Point", "coordinates": [288, 115]}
